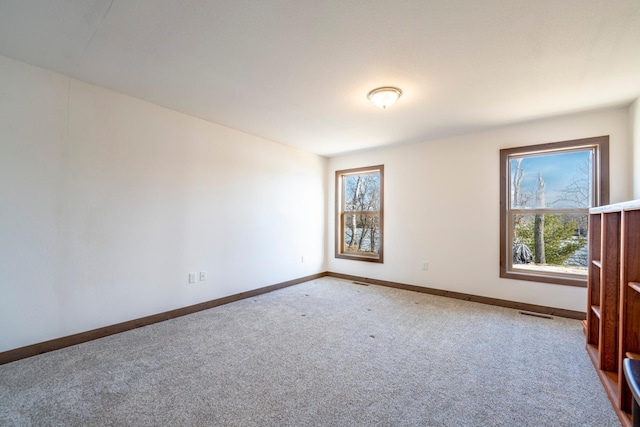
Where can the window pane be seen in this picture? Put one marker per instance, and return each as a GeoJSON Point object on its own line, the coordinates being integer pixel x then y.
{"type": "Point", "coordinates": [359, 214]}
{"type": "Point", "coordinates": [361, 234]}
{"type": "Point", "coordinates": [546, 191]}
{"type": "Point", "coordinates": [557, 180]}
{"type": "Point", "coordinates": [362, 192]}
{"type": "Point", "coordinates": [550, 243]}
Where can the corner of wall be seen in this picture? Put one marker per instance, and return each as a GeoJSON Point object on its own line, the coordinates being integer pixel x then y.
{"type": "Point", "coordinates": [634, 126]}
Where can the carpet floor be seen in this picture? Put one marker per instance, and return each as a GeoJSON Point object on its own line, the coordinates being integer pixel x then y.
{"type": "Point", "coordinates": [327, 352]}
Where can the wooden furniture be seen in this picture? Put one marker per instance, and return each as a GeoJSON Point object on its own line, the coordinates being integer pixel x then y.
{"type": "Point", "coordinates": [613, 298]}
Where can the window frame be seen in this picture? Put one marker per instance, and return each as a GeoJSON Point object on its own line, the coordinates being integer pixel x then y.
{"type": "Point", "coordinates": [339, 212]}
{"type": "Point", "coordinates": [600, 145]}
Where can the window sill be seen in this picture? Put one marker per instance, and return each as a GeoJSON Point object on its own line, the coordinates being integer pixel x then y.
{"type": "Point", "coordinates": [580, 282]}
{"type": "Point", "coordinates": [360, 258]}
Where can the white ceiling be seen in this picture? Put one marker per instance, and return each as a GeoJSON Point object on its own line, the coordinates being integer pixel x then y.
{"type": "Point", "coordinates": [298, 71]}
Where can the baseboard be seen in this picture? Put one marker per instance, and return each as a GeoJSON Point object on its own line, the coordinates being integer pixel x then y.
{"type": "Point", "coordinates": [551, 311]}
{"type": "Point", "coordinates": [58, 343]}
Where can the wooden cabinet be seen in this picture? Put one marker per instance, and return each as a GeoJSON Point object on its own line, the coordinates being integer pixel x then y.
{"type": "Point", "coordinates": [613, 310]}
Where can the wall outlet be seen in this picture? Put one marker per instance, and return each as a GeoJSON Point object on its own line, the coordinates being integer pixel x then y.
{"type": "Point", "coordinates": [302, 258]}
{"type": "Point", "coordinates": [192, 277]}
{"type": "Point", "coordinates": [203, 276]}
{"type": "Point", "coordinates": [425, 265]}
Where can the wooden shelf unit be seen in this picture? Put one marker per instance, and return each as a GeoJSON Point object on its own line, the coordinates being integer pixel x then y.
{"type": "Point", "coordinates": [613, 297]}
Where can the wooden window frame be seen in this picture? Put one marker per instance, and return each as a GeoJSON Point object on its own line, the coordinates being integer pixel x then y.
{"type": "Point", "coordinates": [600, 144]}
{"type": "Point", "coordinates": [339, 205]}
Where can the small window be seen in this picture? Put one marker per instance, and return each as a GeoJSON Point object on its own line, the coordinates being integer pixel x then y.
{"type": "Point", "coordinates": [545, 195]}
{"type": "Point", "coordinates": [359, 213]}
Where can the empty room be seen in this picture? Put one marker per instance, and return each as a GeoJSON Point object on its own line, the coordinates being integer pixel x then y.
{"type": "Point", "coordinates": [331, 213]}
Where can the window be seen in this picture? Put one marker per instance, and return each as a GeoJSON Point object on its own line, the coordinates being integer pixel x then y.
{"type": "Point", "coordinates": [545, 194]}
{"type": "Point", "coordinates": [359, 213]}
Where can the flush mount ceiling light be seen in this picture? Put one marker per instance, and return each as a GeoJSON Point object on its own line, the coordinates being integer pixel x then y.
{"type": "Point", "coordinates": [384, 97]}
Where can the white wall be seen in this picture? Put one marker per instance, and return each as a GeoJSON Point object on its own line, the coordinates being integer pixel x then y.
{"type": "Point", "coordinates": [442, 206]}
{"type": "Point", "coordinates": [634, 125]}
{"type": "Point", "coordinates": [107, 202]}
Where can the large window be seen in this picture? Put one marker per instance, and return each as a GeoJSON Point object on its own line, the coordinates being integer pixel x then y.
{"type": "Point", "coordinates": [545, 194]}
{"type": "Point", "coordinates": [359, 213]}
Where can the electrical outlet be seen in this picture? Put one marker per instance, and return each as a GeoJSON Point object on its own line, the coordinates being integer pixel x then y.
{"type": "Point", "coordinates": [192, 277]}
{"type": "Point", "coordinates": [425, 265]}
{"type": "Point", "coordinates": [302, 258]}
{"type": "Point", "coordinates": [203, 276]}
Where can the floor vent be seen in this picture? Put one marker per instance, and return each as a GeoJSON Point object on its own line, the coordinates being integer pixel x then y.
{"type": "Point", "coordinates": [542, 316]}
{"type": "Point", "coordinates": [361, 283]}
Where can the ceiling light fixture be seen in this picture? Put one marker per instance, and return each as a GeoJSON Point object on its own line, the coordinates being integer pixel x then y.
{"type": "Point", "coordinates": [384, 97]}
